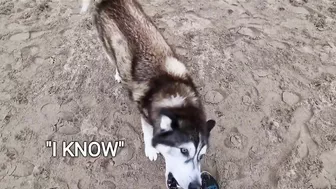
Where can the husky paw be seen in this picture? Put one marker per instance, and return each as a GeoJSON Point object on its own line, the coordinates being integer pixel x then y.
{"type": "Point", "coordinates": [117, 77]}
{"type": "Point", "coordinates": [151, 153]}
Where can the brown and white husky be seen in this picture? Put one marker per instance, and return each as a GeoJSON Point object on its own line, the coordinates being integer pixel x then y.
{"type": "Point", "coordinates": [173, 120]}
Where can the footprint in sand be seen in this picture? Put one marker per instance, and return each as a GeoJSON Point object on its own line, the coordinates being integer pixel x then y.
{"type": "Point", "coordinates": [67, 123]}
{"type": "Point", "coordinates": [322, 128]}
{"type": "Point", "coordinates": [328, 115]}
{"type": "Point", "coordinates": [230, 171]}
{"type": "Point", "coordinates": [26, 134]}
{"type": "Point", "coordinates": [124, 109]}
{"type": "Point", "coordinates": [29, 52]}
{"type": "Point", "coordinates": [299, 132]}
{"type": "Point", "coordinates": [214, 97]}
{"type": "Point", "coordinates": [6, 7]}
{"type": "Point", "coordinates": [20, 36]}
{"type": "Point", "coordinates": [332, 10]}
{"type": "Point", "coordinates": [297, 3]}
{"type": "Point", "coordinates": [257, 152]}
{"type": "Point", "coordinates": [236, 140]}
{"type": "Point", "coordinates": [6, 168]}
{"type": "Point", "coordinates": [3, 169]}
{"type": "Point", "coordinates": [125, 155]}
{"type": "Point", "coordinates": [23, 169]}
{"type": "Point", "coordinates": [87, 183]}
{"type": "Point", "coordinates": [190, 20]}
{"type": "Point", "coordinates": [21, 98]}
{"type": "Point", "coordinates": [40, 172]}
{"type": "Point", "coordinates": [329, 161]}
{"type": "Point", "coordinates": [58, 183]}
{"type": "Point", "coordinates": [35, 34]}
{"type": "Point", "coordinates": [125, 129]}
{"type": "Point", "coordinates": [50, 111]}
{"type": "Point", "coordinates": [63, 118]}
{"type": "Point", "coordinates": [290, 98]}
{"type": "Point", "coordinates": [11, 154]}
{"type": "Point", "coordinates": [106, 165]}
{"type": "Point", "coordinates": [251, 32]}
{"type": "Point", "coordinates": [273, 129]}
{"type": "Point", "coordinates": [108, 185]}
{"type": "Point", "coordinates": [67, 129]}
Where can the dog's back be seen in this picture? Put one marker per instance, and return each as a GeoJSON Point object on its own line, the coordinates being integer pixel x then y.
{"type": "Point", "coordinates": [131, 39]}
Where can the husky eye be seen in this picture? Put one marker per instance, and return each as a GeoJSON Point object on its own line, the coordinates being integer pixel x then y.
{"type": "Point", "coordinates": [201, 157]}
{"type": "Point", "coordinates": [184, 151]}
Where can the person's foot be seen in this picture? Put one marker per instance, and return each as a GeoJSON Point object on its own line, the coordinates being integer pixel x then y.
{"type": "Point", "coordinates": [208, 181]}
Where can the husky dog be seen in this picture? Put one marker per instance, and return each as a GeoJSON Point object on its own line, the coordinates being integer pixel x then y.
{"type": "Point", "coordinates": [173, 120]}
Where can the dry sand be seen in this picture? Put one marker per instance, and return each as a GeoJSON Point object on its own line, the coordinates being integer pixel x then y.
{"type": "Point", "coordinates": [265, 68]}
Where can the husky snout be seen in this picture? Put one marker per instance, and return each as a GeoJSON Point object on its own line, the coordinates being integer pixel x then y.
{"type": "Point", "coordinates": [183, 150]}
{"type": "Point", "coordinates": [186, 171]}
{"type": "Point", "coordinates": [194, 185]}
{"type": "Point", "coordinates": [187, 182]}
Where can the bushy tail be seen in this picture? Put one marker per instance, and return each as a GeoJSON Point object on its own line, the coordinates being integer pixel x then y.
{"type": "Point", "coordinates": [85, 6]}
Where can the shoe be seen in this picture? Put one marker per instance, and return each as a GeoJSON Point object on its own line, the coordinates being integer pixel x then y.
{"type": "Point", "coordinates": [208, 181]}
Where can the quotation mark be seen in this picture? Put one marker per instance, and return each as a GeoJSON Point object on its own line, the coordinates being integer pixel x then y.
{"type": "Point", "coordinates": [92, 149]}
{"type": "Point", "coordinates": [121, 143]}
{"type": "Point", "coordinates": [48, 143]}
{"type": "Point", "coordinates": [53, 146]}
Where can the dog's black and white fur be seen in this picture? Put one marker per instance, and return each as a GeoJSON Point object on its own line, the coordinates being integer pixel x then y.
{"type": "Point", "coordinates": [172, 116]}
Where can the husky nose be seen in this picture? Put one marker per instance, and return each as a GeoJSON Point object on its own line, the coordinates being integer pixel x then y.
{"type": "Point", "coordinates": [194, 185]}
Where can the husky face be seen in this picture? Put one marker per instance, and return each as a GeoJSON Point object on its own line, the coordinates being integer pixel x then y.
{"type": "Point", "coordinates": [184, 163]}
{"type": "Point", "coordinates": [183, 146]}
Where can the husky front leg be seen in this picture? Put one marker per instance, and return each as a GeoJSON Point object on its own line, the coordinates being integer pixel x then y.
{"type": "Point", "coordinates": [115, 45]}
{"type": "Point", "coordinates": [147, 130]}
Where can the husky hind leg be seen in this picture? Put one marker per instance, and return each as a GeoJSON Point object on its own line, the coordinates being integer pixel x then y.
{"type": "Point", "coordinates": [107, 46]}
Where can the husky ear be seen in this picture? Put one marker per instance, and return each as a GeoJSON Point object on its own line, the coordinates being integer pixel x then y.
{"type": "Point", "coordinates": [163, 137]}
{"type": "Point", "coordinates": [210, 124]}
{"type": "Point", "coordinates": [162, 133]}
{"type": "Point", "coordinates": [168, 120]}
{"type": "Point", "coordinates": [165, 124]}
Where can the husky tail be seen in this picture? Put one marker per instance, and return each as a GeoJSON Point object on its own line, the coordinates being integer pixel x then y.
{"type": "Point", "coordinates": [85, 6]}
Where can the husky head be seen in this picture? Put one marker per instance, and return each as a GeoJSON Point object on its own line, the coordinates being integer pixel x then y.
{"type": "Point", "coordinates": [181, 136]}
